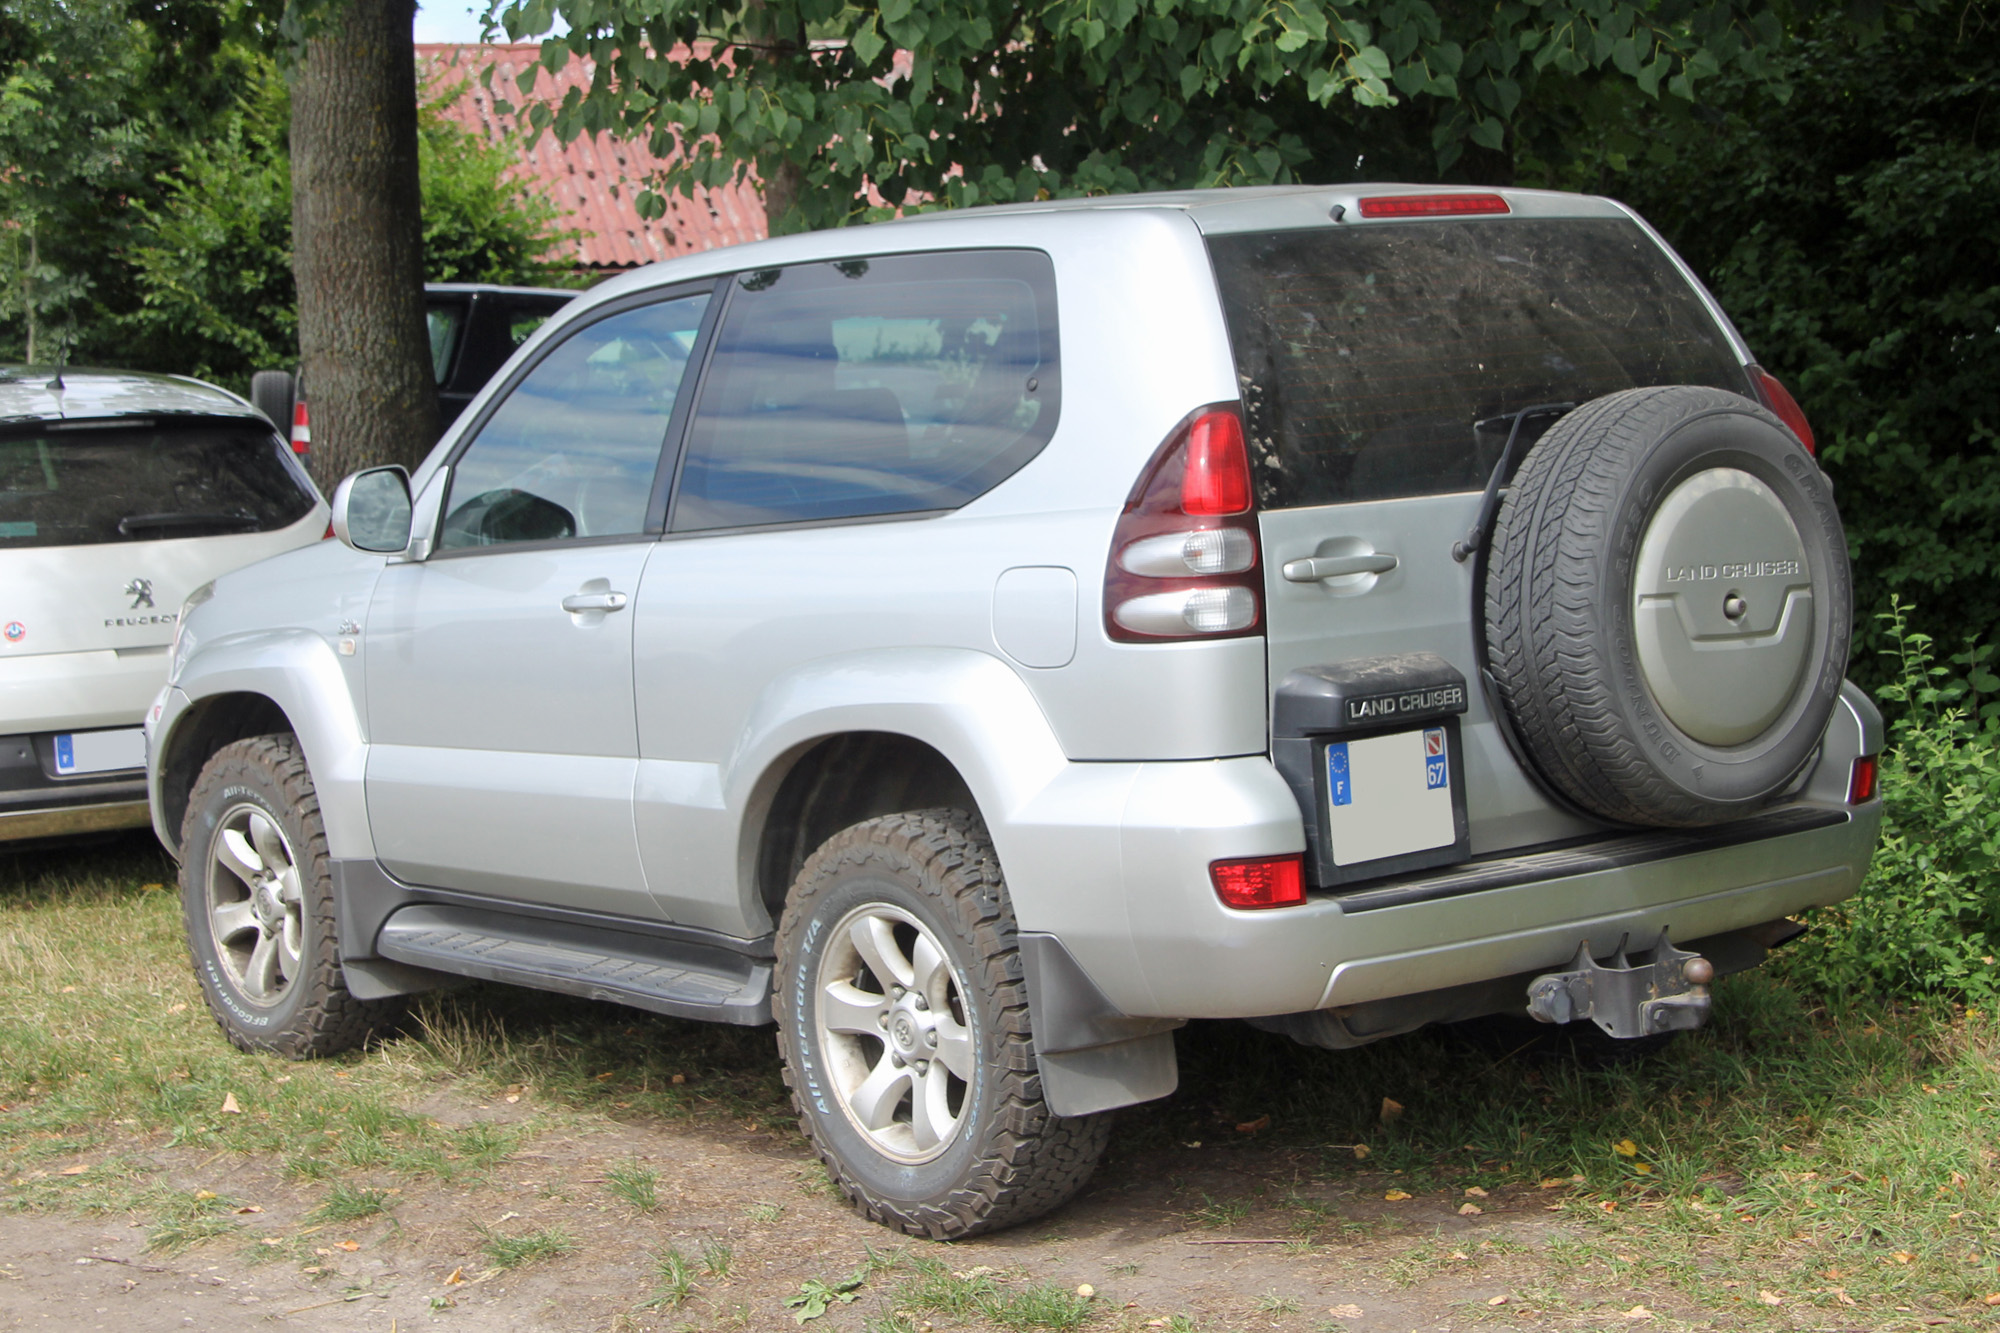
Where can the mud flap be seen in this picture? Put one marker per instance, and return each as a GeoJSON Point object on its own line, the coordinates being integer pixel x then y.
{"type": "Point", "coordinates": [1666, 992]}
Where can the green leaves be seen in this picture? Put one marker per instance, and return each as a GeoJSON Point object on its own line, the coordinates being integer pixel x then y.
{"type": "Point", "coordinates": [816, 1297]}
{"type": "Point", "coordinates": [1078, 95]}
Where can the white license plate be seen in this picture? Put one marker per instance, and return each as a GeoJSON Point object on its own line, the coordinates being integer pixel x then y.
{"type": "Point", "coordinates": [1389, 795]}
{"type": "Point", "coordinates": [100, 751]}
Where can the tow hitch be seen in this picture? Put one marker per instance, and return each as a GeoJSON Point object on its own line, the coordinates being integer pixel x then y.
{"type": "Point", "coordinates": [1667, 992]}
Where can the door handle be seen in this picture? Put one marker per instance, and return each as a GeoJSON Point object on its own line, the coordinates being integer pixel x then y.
{"type": "Point", "coordinates": [1336, 566]}
{"type": "Point", "coordinates": [594, 601]}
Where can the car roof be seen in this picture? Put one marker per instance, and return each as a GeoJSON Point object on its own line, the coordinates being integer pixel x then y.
{"type": "Point", "coordinates": [43, 393]}
{"type": "Point", "coordinates": [489, 288]}
{"type": "Point", "coordinates": [1213, 212]}
{"type": "Point", "coordinates": [1282, 207]}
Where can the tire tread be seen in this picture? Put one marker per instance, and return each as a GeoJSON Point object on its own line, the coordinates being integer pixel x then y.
{"type": "Point", "coordinates": [1034, 1161]}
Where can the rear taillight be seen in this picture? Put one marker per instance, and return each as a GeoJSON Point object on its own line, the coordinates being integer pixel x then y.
{"type": "Point", "coordinates": [1264, 881]}
{"type": "Point", "coordinates": [1432, 205]}
{"type": "Point", "coordinates": [1783, 406]}
{"type": "Point", "coordinates": [1184, 554]}
{"type": "Point", "coordinates": [301, 428]}
{"type": "Point", "coordinates": [1861, 780]}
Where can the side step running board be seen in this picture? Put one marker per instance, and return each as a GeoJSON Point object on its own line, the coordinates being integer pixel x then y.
{"type": "Point", "coordinates": [664, 976]}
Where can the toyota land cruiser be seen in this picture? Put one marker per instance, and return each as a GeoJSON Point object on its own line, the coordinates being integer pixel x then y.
{"type": "Point", "coordinates": [983, 642]}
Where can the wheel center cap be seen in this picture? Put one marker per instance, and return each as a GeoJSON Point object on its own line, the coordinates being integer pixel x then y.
{"type": "Point", "coordinates": [269, 910]}
{"type": "Point", "coordinates": [903, 1031]}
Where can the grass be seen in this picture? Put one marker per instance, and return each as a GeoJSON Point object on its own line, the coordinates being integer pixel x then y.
{"type": "Point", "coordinates": [352, 1203]}
{"type": "Point", "coordinates": [936, 1289]}
{"type": "Point", "coordinates": [529, 1247]}
{"type": "Point", "coordinates": [673, 1280]}
{"type": "Point", "coordinates": [635, 1184]}
{"type": "Point", "coordinates": [1779, 1146]}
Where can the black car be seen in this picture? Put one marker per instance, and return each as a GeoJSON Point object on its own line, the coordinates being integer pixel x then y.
{"type": "Point", "coordinates": [474, 328]}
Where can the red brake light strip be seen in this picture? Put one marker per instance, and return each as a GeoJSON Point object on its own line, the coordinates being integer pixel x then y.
{"type": "Point", "coordinates": [1432, 205]}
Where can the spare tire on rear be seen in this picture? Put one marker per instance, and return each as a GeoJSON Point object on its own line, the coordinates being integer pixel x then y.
{"type": "Point", "coordinates": [1668, 607]}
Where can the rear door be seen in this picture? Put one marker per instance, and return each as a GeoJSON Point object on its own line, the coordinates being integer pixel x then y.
{"type": "Point", "coordinates": [1383, 364]}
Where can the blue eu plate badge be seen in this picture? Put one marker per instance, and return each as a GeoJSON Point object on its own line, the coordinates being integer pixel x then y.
{"type": "Point", "coordinates": [1339, 775]}
{"type": "Point", "coordinates": [1435, 772]}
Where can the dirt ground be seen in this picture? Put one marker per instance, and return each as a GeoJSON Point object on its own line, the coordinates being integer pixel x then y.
{"type": "Point", "coordinates": [1182, 1239]}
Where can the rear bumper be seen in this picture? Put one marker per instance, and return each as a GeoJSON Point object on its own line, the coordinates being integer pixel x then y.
{"type": "Point", "coordinates": [1133, 905]}
{"type": "Point", "coordinates": [69, 820]}
{"type": "Point", "coordinates": [1195, 958]}
{"type": "Point", "coordinates": [34, 803]}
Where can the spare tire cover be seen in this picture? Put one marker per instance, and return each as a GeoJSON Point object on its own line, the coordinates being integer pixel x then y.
{"type": "Point", "coordinates": [1668, 607]}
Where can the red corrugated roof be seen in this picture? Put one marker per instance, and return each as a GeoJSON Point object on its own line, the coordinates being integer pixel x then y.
{"type": "Point", "coordinates": [595, 179]}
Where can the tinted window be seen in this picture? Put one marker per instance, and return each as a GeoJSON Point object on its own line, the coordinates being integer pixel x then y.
{"type": "Point", "coordinates": [872, 386]}
{"type": "Point", "coordinates": [446, 323]}
{"type": "Point", "coordinates": [1368, 353]}
{"type": "Point", "coordinates": [145, 481]}
{"type": "Point", "coordinates": [573, 448]}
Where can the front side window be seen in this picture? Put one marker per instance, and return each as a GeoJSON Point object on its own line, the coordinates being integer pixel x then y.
{"type": "Point", "coordinates": [878, 386]}
{"type": "Point", "coordinates": [573, 448]}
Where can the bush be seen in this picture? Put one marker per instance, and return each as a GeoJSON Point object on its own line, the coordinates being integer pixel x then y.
{"type": "Point", "coordinates": [1926, 921]}
{"type": "Point", "coordinates": [1850, 231]}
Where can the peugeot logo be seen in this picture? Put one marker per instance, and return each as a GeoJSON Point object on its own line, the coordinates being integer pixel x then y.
{"type": "Point", "coordinates": [141, 592]}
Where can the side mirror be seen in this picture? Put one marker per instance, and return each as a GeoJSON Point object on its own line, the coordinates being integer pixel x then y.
{"type": "Point", "coordinates": [371, 511]}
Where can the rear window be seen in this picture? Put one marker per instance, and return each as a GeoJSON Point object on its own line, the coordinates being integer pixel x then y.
{"type": "Point", "coordinates": [144, 480]}
{"type": "Point", "coordinates": [1382, 361]}
{"type": "Point", "coordinates": [871, 387]}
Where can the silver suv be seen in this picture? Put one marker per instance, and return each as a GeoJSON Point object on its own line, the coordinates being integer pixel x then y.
{"type": "Point", "coordinates": [984, 642]}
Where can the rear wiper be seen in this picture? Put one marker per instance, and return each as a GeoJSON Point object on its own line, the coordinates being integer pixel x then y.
{"type": "Point", "coordinates": [132, 523]}
{"type": "Point", "coordinates": [1489, 504]}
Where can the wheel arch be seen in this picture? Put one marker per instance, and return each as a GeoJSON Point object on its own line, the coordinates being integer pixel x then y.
{"type": "Point", "coordinates": [842, 780]}
{"type": "Point", "coordinates": [253, 685]}
{"type": "Point", "coordinates": [204, 727]}
{"type": "Point", "coordinates": [865, 734]}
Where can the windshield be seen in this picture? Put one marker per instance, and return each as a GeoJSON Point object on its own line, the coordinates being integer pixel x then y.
{"type": "Point", "coordinates": [88, 483]}
{"type": "Point", "coordinates": [1367, 354]}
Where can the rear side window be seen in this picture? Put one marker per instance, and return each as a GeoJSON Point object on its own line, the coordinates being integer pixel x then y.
{"type": "Point", "coordinates": [872, 386]}
{"type": "Point", "coordinates": [145, 480]}
{"type": "Point", "coordinates": [1382, 361]}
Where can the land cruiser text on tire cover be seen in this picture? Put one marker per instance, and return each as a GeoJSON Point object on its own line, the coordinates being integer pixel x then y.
{"type": "Point", "coordinates": [1668, 606]}
{"type": "Point", "coordinates": [979, 644]}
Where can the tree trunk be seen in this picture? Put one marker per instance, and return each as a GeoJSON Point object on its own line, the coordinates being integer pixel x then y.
{"type": "Point", "coordinates": [358, 242]}
{"type": "Point", "coordinates": [28, 294]}
{"type": "Point", "coordinates": [779, 180]}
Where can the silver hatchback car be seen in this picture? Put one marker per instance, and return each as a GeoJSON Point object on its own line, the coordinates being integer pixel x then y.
{"type": "Point", "coordinates": [984, 642]}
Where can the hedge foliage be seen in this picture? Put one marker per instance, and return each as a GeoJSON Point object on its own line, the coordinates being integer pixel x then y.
{"type": "Point", "coordinates": [1852, 230]}
{"type": "Point", "coordinates": [1926, 921]}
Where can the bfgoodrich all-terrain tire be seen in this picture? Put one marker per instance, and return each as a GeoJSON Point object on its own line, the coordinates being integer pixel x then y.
{"type": "Point", "coordinates": [903, 1021]}
{"type": "Point", "coordinates": [257, 895]}
{"type": "Point", "coordinates": [1668, 607]}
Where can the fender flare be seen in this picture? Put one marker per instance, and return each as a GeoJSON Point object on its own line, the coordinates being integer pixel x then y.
{"type": "Point", "coordinates": [969, 706]}
{"type": "Point", "coordinates": [295, 669]}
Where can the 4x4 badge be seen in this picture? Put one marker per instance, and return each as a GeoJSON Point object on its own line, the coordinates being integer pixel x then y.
{"type": "Point", "coordinates": [141, 593]}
